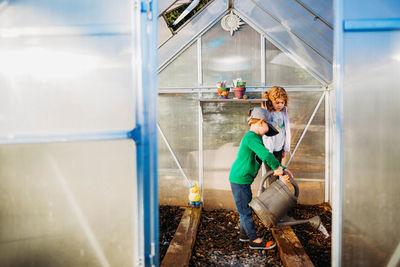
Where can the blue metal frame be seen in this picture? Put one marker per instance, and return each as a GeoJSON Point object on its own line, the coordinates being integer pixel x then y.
{"type": "Point", "coordinates": [146, 153]}
{"type": "Point", "coordinates": [371, 25]}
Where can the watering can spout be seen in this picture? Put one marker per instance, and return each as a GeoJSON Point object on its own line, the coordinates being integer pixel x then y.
{"type": "Point", "coordinates": [315, 221]}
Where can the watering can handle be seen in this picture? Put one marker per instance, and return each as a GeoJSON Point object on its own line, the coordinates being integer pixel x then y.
{"type": "Point", "coordinates": [289, 174]}
{"type": "Point", "coordinates": [293, 182]}
{"type": "Point", "coordinates": [265, 177]}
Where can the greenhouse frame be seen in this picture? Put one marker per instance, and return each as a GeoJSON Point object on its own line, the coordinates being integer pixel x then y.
{"type": "Point", "coordinates": [109, 110]}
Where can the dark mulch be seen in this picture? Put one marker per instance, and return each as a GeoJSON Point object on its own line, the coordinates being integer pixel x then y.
{"type": "Point", "coordinates": [169, 219]}
{"type": "Point", "coordinates": [217, 242]}
{"type": "Point", "coordinates": [316, 244]}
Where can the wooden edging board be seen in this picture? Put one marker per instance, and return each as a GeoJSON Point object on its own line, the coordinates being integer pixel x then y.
{"type": "Point", "coordinates": [180, 248]}
{"type": "Point", "coordinates": [291, 251]}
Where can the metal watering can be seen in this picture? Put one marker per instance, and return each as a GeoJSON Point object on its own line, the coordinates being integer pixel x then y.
{"type": "Point", "coordinates": [272, 203]}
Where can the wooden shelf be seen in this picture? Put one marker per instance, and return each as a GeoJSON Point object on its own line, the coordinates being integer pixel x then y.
{"type": "Point", "coordinates": [232, 100]}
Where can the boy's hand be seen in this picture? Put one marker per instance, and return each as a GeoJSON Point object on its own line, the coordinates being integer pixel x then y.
{"type": "Point", "coordinates": [278, 172]}
{"type": "Point", "coordinates": [286, 177]}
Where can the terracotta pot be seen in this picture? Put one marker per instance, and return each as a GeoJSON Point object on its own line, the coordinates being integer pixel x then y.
{"type": "Point", "coordinates": [239, 91]}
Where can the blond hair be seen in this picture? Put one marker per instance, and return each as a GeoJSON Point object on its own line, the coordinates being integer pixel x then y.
{"type": "Point", "coordinates": [275, 93]}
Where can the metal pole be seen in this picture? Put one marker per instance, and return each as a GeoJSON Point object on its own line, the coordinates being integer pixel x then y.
{"type": "Point", "coordinates": [201, 163]}
{"type": "Point", "coordinates": [305, 130]}
{"type": "Point", "coordinates": [173, 155]}
{"type": "Point", "coordinates": [327, 145]}
{"type": "Point", "coordinates": [337, 191]}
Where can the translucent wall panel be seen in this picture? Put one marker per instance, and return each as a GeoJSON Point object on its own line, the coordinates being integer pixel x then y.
{"type": "Point", "coordinates": [67, 204]}
{"type": "Point", "coordinates": [224, 125]}
{"type": "Point", "coordinates": [57, 77]}
{"type": "Point", "coordinates": [45, 13]}
{"type": "Point", "coordinates": [282, 70]}
{"type": "Point", "coordinates": [309, 160]}
{"type": "Point", "coordinates": [164, 33]}
{"type": "Point", "coordinates": [226, 57]}
{"type": "Point", "coordinates": [178, 119]}
{"type": "Point", "coordinates": [371, 123]}
{"type": "Point", "coordinates": [182, 72]}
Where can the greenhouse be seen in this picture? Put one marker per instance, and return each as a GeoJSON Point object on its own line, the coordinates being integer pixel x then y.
{"type": "Point", "coordinates": [111, 110]}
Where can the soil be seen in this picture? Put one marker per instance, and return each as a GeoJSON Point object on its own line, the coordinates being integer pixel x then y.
{"type": "Point", "coordinates": [169, 219]}
{"type": "Point", "coordinates": [316, 244]}
{"type": "Point", "coordinates": [217, 242]}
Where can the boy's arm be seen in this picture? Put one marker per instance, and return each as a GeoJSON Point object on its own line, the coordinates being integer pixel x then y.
{"type": "Point", "coordinates": [263, 153]}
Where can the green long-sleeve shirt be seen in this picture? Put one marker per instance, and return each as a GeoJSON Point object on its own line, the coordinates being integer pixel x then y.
{"type": "Point", "coordinates": [250, 156]}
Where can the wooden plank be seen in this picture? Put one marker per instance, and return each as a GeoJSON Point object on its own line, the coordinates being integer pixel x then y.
{"type": "Point", "coordinates": [180, 248]}
{"type": "Point", "coordinates": [291, 251]}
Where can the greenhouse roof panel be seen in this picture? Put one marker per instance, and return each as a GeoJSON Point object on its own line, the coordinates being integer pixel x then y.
{"type": "Point", "coordinates": [191, 30]}
{"type": "Point", "coordinates": [297, 20]}
{"type": "Point", "coordinates": [284, 25]}
{"type": "Point", "coordinates": [323, 9]}
{"type": "Point", "coordinates": [300, 28]}
{"type": "Point", "coordinates": [164, 5]}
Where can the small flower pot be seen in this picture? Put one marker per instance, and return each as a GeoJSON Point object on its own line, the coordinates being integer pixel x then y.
{"type": "Point", "coordinates": [223, 93]}
{"type": "Point", "coordinates": [239, 92]}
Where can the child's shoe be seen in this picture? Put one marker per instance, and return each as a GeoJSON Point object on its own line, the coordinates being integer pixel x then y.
{"type": "Point", "coordinates": [262, 245]}
{"type": "Point", "coordinates": [243, 237]}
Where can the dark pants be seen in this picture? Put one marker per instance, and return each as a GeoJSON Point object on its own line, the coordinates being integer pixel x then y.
{"type": "Point", "coordinates": [242, 196]}
{"type": "Point", "coordinates": [278, 156]}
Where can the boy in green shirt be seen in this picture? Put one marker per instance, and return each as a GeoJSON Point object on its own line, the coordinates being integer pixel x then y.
{"type": "Point", "coordinates": [245, 168]}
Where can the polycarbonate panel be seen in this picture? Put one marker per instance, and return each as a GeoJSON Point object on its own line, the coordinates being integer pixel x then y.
{"type": "Point", "coordinates": [226, 57]}
{"type": "Point", "coordinates": [61, 79]}
{"type": "Point", "coordinates": [371, 123]}
{"type": "Point", "coordinates": [164, 33]}
{"type": "Point", "coordinates": [48, 13]}
{"type": "Point", "coordinates": [316, 58]}
{"type": "Point", "coordinates": [301, 23]}
{"type": "Point", "coordinates": [164, 4]}
{"type": "Point", "coordinates": [67, 204]}
{"type": "Point", "coordinates": [182, 72]}
{"type": "Point", "coordinates": [323, 9]}
{"type": "Point", "coordinates": [309, 160]}
{"type": "Point", "coordinates": [178, 119]}
{"type": "Point", "coordinates": [282, 70]}
{"type": "Point", "coordinates": [224, 125]}
{"type": "Point", "coordinates": [191, 30]}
